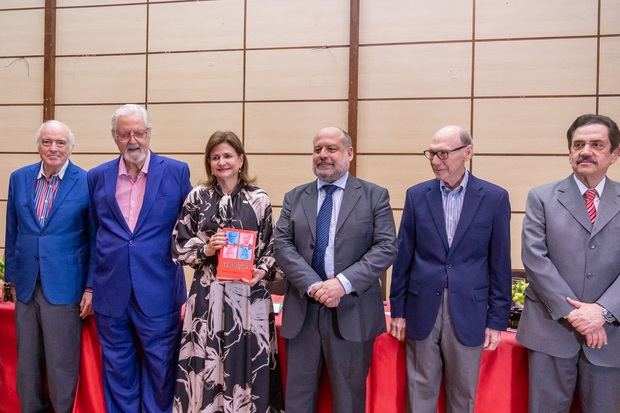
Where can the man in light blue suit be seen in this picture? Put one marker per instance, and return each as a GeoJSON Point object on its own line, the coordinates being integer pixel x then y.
{"type": "Point", "coordinates": [46, 255]}
{"type": "Point", "coordinates": [138, 291]}
{"type": "Point", "coordinates": [451, 283]}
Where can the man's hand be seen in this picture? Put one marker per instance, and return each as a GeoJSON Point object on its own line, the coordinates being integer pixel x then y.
{"type": "Point", "coordinates": [86, 304]}
{"type": "Point", "coordinates": [329, 293]}
{"type": "Point", "coordinates": [597, 338]}
{"type": "Point", "coordinates": [491, 339]}
{"type": "Point", "coordinates": [397, 328]}
{"type": "Point", "coordinates": [257, 275]}
{"type": "Point", "coordinates": [586, 317]}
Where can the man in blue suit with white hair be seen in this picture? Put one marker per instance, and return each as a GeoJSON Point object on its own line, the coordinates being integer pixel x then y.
{"type": "Point", "coordinates": [46, 252]}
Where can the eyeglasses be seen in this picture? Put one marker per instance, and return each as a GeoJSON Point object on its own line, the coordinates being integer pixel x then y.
{"type": "Point", "coordinates": [138, 134]}
{"type": "Point", "coordinates": [443, 155]}
{"type": "Point", "coordinates": [60, 144]}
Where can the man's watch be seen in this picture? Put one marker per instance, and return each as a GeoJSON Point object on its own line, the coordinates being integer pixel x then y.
{"type": "Point", "coordinates": [609, 317]}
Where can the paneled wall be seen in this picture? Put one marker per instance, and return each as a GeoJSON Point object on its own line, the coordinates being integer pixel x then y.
{"type": "Point", "coordinates": [274, 71]}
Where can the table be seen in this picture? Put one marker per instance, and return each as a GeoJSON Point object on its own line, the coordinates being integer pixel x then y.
{"type": "Point", "coordinates": [502, 386]}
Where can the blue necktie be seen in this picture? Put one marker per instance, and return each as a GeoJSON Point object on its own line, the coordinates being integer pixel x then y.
{"type": "Point", "coordinates": [323, 221]}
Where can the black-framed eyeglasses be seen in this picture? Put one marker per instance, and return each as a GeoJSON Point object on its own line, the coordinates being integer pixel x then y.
{"type": "Point", "coordinates": [138, 134]}
{"type": "Point", "coordinates": [443, 155]}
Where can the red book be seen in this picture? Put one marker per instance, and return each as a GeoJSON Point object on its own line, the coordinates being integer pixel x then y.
{"type": "Point", "coordinates": [236, 260]}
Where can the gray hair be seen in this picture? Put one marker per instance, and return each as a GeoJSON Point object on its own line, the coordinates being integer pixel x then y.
{"type": "Point", "coordinates": [346, 139]}
{"type": "Point", "coordinates": [70, 136]}
{"type": "Point", "coordinates": [130, 110]}
{"type": "Point", "coordinates": [465, 137]}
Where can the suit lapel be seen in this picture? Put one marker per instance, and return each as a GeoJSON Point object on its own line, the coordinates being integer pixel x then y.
{"type": "Point", "coordinates": [473, 196]}
{"type": "Point", "coordinates": [350, 197]}
{"type": "Point", "coordinates": [66, 184]}
{"type": "Point", "coordinates": [30, 182]}
{"type": "Point", "coordinates": [110, 176]}
{"type": "Point", "coordinates": [608, 207]}
{"type": "Point", "coordinates": [309, 201]}
{"type": "Point", "coordinates": [153, 182]}
{"type": "Point", "coordinates": [571, 199]}
{"type": "Point", "coordinates": [435, 205]}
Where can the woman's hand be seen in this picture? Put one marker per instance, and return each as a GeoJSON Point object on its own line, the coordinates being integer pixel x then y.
{"type": "Point", "coordinates": [215, 243]}
{"type": "Point", "coordinates": [257, 275]}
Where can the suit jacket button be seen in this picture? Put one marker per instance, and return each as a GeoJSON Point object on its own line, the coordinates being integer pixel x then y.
{"type": "Point", "coordinates": [589, 275]}
{"type": "Point", "coordinates": [437, 292]}
{"type": "Point", "coordinates": [130, 242]}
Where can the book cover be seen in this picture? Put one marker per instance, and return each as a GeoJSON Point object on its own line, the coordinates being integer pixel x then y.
{"type": "Point", "coordinates": [236, 259]}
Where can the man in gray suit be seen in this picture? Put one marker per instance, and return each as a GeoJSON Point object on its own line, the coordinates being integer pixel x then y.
{"type": "Point", "coordinates": [334, 237]}
{"type": "Point", "coordinates": [571, 255]}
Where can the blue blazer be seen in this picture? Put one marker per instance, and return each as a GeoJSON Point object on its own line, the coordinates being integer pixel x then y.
{"type": "Point", "coordinates": [58, 251]}
{"type": "Point", "coordinates": [125, 261]}
{"type": "Point", "coordinates": [475, 268]}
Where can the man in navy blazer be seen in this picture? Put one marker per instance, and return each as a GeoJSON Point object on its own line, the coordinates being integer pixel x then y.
{"type": "Point", "coordinates": [451, 282]}
{"type": "Point", "coordinates": [138, 291]}
{"type": "Point", "coordinates": [46, 252]}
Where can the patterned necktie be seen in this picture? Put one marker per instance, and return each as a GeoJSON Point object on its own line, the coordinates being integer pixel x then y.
{"type": "Point", "coordinates": [323, 221]}
{"type": "Point", "coordinates": [589, 196]}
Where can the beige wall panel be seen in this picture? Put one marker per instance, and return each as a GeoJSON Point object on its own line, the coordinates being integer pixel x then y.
{"type": "Point", "coordinates": [290, 126]}
{"type": "Point", "coordinates": [516, 224]}
{"type": "Point", "coordinates": [8, 164]}
{"type": "Point", "coordinates": [89, 161]}
{"type": "Point", "coordinates": [196, 26]}
{"type": "Point", "coordinates": [384, 21]}
{"type": "Point", "coordinates": [187, 127]}
{"type": "Point", "coordinates": [278, 174]}
{"type": "Point", "coordinates": [532, 18]}
{"type": "Point", "coordinates": [18, 125]}
{"type": "Point", "coordinates": [519, 174]}
{"type": "Point", "coordinates": [196, 166]}
{"type": "Point", "coordinates": [98, 30]}
{"type": "Point", "coordinates": [21, 80]}
{"type": "Point", "coordinates": [278, 23]}
{"type": "Point", "coordinates": [609, 81]}
{"type": "Point", "coordinates": [440, 70]}
{"type": "Point", "coordinates": [536, 67]}
{"type": "Point", "coordinates": [13, 4]}
{"type": "Point", "coordinates": [2, 227]}
{"type": "Point", "coordinates": [100, 79]}
{"type": "Point", "coordinates": [185, 77]}
{"type": "Point", "coordinates": [526, 125]}
{"type": "Point", "coordinates": [69, 3]}
{"type": "Point", "coordinates": [394, 172]}
{"type": "Point", "coordinates": [21, 32]}
{"type": "Point", "coordinates": [91, 126]}
{"type": "Point", "coordinates": [297, 74]}
{"type": "Point", "coordinates": [406, 125]}
{"type": "Point", "coordinates": [610, 106]}
{"type": "Point", "coordinates": [610, 10]}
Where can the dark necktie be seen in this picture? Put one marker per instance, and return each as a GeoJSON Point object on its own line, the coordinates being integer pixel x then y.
{"type": "Point", "coordinates": [323, 221]}
{"type": "Point", "coordinates": [589, 196]}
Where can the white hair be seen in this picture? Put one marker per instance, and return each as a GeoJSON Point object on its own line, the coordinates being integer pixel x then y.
{"type": "Point", "coordinates": [130, 110]}
{"type": "Point", "coordinates": [55, 123]}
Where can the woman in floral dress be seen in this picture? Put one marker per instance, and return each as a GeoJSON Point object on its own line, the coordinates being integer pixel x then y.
{"type": "Point", "coordinates": [228, 359]}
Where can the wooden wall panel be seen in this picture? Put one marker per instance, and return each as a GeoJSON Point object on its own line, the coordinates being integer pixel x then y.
{"type": "Point", "coordinates": [278, 174]}
{"type": "Point", "coordinates": [187, 127]}
{"type": "Point", "coordinates": [406, 125]}
{"type": "Point", "coordinates": [532, 18]}
{"type": "Point", "coordinates": [609, 81]}
{"type": "Point", "coordinates": [413, 21]}
{"type": "Point", "coordinates": [108, 79]}
{"type": "Point", "coordinates": [277, 23]}
{"type": "Point", "coordinates": [91, 127]}
{"type": "Point", "coordinates": [610, 10]}
{"type": "Point", "coordinates": [267, 130]}
{"type": "Point", "coordinates": [516, 225]}
{"type": "Point", "coordinates": [10, 163]}
{"type": "Point", "coordinates": [21, 80]}
{"type": "Point", "coordinates": [18, 125]}
{"type": "Point", "coordinates": [2, 227]}
{"type": "Point", "coordinates": [394, 172]}
{"type": "Point", "coordinates": [12, 4]}
{"type": "Point", "coordinates": [98, 30]}
{"type": "Point", "coordinates": [297, 74]}
{"type": "Point", "coordinates": [610, 106]}
{"type": "Point", "coordinates": [206, 25]}
{"type": "Point", "coordinates": [535, 125]}
{"type": "Point", "coordinates": [536, 67]}
{"type": "Point", "coordinates": [193, 77]}
{"type": "Point", "coordinates": [71, 3]}
{"type": "Point", "coordinates": [440, 70]}
{"type": "Point", "coordinates": [21, 32]}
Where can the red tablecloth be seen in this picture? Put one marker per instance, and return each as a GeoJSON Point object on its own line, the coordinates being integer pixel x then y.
{"type": "Point", "coordinates": [502, 385]}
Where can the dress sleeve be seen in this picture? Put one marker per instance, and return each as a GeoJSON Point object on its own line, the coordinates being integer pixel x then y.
{"type": "Point", "coordinates": [264, 249]}
{"type": "Point", "coordinates": [188, 240]}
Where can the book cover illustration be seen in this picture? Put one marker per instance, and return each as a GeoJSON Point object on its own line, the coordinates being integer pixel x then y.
{"type": "Point", "coordinates": [236, 259]}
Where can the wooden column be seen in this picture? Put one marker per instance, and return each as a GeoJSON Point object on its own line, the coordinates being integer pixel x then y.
{"type": "Point", "coordinates": [49, 61]}
{"type": "Point", "coordinates": [353, 76]}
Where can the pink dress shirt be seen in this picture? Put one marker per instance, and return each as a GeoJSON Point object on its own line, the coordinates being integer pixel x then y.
{"type": "Point", "coordinates": [130, 192]}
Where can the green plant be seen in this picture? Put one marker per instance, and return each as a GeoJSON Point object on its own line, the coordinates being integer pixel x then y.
{"type": "Point", "coordinates": [1, 270]}
{"type": "Point", "coordinates": [518, 290]}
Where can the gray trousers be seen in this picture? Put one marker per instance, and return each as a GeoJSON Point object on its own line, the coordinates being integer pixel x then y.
{"type": "Point", "coordinates": [553, 381]}
{"type": "Point", "coordinates": [442, 351]}
{"type": "Point", "coordinates": [347, 364]}
{"type": "Point", "coordinates": [48, 336]}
